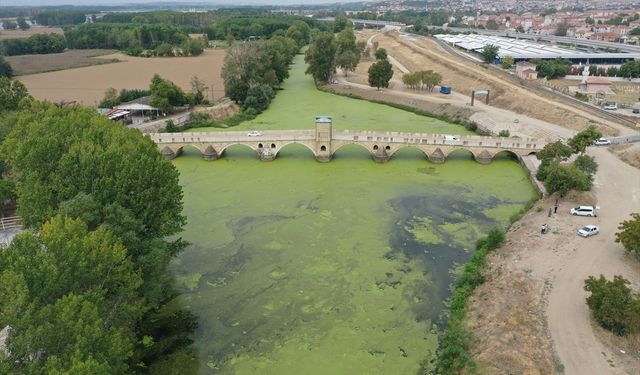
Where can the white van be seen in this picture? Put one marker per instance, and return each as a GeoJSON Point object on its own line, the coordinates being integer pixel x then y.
{"type": "Point", "coordinates": [584, 211]}
{"type": "Point", "coordinates": [451, 138]}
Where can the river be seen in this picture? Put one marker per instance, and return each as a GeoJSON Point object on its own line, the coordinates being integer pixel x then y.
{"type": "Point", "coordinates": [300, 267]}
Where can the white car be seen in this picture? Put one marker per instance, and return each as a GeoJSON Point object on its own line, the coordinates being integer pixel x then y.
{"type": "Point", "coordinates": [584, 211]}
{"type": "Point", "coordinates": [611, 106]}
{"type": "Point", "coordinates": [588, 231]}
{"type": "Point", "coordinates": [254, 133]}
{"type": "Point", "coordinates": [601, 142]}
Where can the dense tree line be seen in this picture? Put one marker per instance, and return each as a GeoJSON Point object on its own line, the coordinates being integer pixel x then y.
{"type": "Point", "coordinates": [60, 17]}
{"type": "Point", "coordinates": [5, 68]}
{"type": "Point", "coordinates": [241, 28]}
{"type": "Point", "coordinates": [112, 97]}
{"type": "Point", "coordinates": [422, 79]}
{"type": "Point", "coordinates": [165, 17]}
{"type": "Point", "coordinates": [148, 40]}
{"type": "Point", "coordinates": [35, 44]}
{"type": "Point", "coordinates": [328, 51]}
{"type": "Point", "coordinates": [551, 69]}
{"type": "Point", "coordinates": [253, 70]}
{"type": "Point", "coordinates": [85, 291]}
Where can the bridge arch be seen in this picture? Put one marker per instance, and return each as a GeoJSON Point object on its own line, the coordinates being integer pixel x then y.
{"type": "Point", "coordinates": [392, 151]}
{"type": "Point", "coordinates": [448, 153]}
{"type": "Point", "coordinates": [226, 146]}
{"type": "Point", "coordinates": [310, 148]}
{"type": "Point", "coordinates": [509, 153]}
{"type": "Point", "coordinates": [362, 145]}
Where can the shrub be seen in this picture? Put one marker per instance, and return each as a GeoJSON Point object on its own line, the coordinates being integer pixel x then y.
{"type": "Point", "coordinates": [504, 133]}
{"type": "Point", "coordinates": [613, 305]}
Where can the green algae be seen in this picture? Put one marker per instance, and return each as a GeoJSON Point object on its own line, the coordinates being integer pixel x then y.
{"type": "Point", "coordinates": [331, 268]}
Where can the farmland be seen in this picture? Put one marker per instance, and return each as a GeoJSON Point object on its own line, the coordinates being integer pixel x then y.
{"type": "Point", "coordinates": [87, 85]}
{"type": "Point", "coordinates": [15, 34]}
{"type": "Point", "coordinates": [69, 59]}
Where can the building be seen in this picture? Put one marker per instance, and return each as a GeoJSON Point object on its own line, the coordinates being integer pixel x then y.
{"type": "Point", "coordinates": [526, 70]}
{"type": "Point", "coordinates": [595, 85]}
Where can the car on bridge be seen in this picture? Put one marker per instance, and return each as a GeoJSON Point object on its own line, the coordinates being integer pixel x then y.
{"type": "Point", "coordinates": [254, 133]}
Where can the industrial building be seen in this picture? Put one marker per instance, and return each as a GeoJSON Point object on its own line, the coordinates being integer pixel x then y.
{"type": "Point", "coordinates": [524, 50]}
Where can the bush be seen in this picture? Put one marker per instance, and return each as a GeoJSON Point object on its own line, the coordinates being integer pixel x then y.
{"type": "Point", "coordinates": [562, 178]}
{"type": "Point", "coordinates": [581, 96]}
{"type": "Point", "coordinates": [504, 133]}
{"type": "Point", "coordinates": [613, 305]}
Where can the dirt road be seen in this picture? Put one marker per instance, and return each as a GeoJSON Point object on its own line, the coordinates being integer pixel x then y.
{"type": "Point", "coordinates": [617, 187]}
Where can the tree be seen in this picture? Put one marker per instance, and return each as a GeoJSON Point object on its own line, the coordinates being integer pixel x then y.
{"type": "Point", "coordinates": [111, 98]}
{"type": "Point", "coordinates": [164, 49]}
{"type": "Point", "coordinates": [629, 234]}
{"type": "Point", "coordinates": [76, 297]}
{"type": "Point", "coordinates": [411, 80]}
{"type": "Point", "coordinates": [300, 32]}
{"type": "Point", "coordinates": [430, 79]}
{"type": "Point", "coordinates": [489, 53]}
{"type": "Point", "coordinates": [165, 95]}
{"type": "Point", "coordinates": [381, 54]}
{"type": "Point", "coordinates": [5, 68]}
{"type": "Point", "coordinates": [556, 150]}
{"type": "Point", "coordinates": [9, 25]}
{"type": "Point", "coordinates": [504, 133]}
{"type": "Point", "coordinates": [507, 62]}
{"type": "Point", "coordinates": [347, 55]}
{"type": "Point", "coordinates": [198, 88]}
{"type": "Point", "coordinates": [321, 57]}
{"type": "Point", "coordinates": [587, 164]}
{"type": "Point", "coordinates": [340, 23]}
{"type": "Point", "coordinates": [22, 23]}
{"type": "Point", "coordinates": [347, 61]}
{"type": "Point", "coordinates": [589, 21]}
{"type": "Point", "coordinates": [562, 178]}
{"type": "Point", "coordinates": [380, 74]}
{"type": "Point", "coordinates": [11, 94]}
{"type": "Point", "coordinates": [520, 29]}
{"type": "Point", "coordinates": [613, 305]}
{"type": "Point", "coordinates": [492, 25]}
{"type": "Point", "coordinates": [562, 28]}
{"type": "Point", "coordinates": [259, 97]}
{"type": "Point", "coordinates": [580, 141]}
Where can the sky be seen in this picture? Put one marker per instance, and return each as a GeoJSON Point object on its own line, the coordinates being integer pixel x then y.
{"type": "Point", "coordinates": [119, 2]}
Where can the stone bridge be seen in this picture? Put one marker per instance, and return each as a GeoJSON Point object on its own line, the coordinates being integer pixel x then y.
{"type": "Point", "coordinates": [324, 142]}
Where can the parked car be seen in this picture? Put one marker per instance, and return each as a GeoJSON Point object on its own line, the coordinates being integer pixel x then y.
{"type": "Point", "coordinates": [584, 211]}
{"type": "Point", "coordinates": [611, 106]}
{"type": "Point", "coordinates": [635, 109]}
{"type": "Point", "coordinates": [588, 231]}
{"type": "Point", "coordinates": [254, 133]}
{"type": "Point", "coordinates": [601, 142]}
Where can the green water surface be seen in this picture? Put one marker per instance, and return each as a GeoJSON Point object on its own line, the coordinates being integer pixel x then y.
{"type": "Point", "coordinates": [300, 267]}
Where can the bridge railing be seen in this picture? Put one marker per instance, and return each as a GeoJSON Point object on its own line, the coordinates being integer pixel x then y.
{"type": "Point", "coordinates": [10, 223]}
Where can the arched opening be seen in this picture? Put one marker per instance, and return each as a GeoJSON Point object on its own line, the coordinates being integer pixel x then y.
{"type": "Point", "coordinates": [189, 150]}
{"type": "Point", "coordinates": [388, 148]}
{"type": "Point", "coordinates": [408, 153]}
{"type": "Point", "coordinates": [239, 151]}
{"type": "Point", "coordinates": [352, 151]}
{"type": "Point", "coordinates": [375, 147]}
{"type": "Point", "coordinates": [460, 154]}
{"type": "Point", "coordinates": [323, 148]}
{"type": "Point", "coordinates": [273, 145]}
{"type": "Point", "coordinates": [506, 155]}
{"type": "Point", "coordinates": [298, 151]}
{"type": "Point", "coordinates": [260, 145]}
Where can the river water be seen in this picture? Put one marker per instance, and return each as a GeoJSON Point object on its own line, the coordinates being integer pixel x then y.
{"type": "Point", "coordinates": [300, 267]}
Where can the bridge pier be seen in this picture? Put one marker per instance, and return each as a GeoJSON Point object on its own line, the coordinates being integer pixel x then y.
{"type": "Point", "coordinates": [483, 158]}
{"type": "Point", "coordinates": [266, 154]}
{"type": "Point", "coordinates": [437, 157]}
{"type": "Point", "coordinates": [323, 158]}
{"type": "Point", "coordinates": [381, 156]}
{"type": "Point", "coordinates": [210, 154]}
{"type": "Point", "coordinates": [168, 153]}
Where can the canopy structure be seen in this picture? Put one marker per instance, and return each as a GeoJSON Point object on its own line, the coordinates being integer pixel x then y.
{"type": "Point", "coordinates": [135, 107]}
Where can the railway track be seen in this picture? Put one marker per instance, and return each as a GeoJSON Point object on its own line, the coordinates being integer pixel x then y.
{"type": "Point", "coordinates": [620, 119]}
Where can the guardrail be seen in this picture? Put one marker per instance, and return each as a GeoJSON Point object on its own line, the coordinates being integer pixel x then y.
{"type": "Point", "coordinates": [10, 223]}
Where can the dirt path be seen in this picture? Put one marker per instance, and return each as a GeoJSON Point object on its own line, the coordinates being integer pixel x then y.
{"type": "Point", "coordinates": [617, 187]}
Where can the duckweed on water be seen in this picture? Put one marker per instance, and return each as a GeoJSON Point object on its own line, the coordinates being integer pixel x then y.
{"type": "Point", "coordinates": [300, 267]}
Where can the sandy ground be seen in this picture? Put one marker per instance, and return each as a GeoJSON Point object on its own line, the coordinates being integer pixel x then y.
{"type": "Point", "coordinates": [629, 153]}
{"type": "Point", "coordinates": [87, 85]}
{"type": "Point", "coordinates": [16, 34]}
{"type": "Point", "coordinates": [530, 317]}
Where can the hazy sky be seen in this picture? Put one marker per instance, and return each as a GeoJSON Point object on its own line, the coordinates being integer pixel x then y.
{"type": "Point", "coordinates": [119, 2]}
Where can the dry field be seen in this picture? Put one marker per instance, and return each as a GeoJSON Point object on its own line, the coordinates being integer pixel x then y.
{"type": "Point", "coordinates": [87, 85]}
{"type": "Point", "coordinates": [69, 59]}
{"type": "Point", "coordinates": [15, 34]}
{"type": "Point", "coordinates": [624, 93]}
{"type": "Point", "coordinates": [423, 54]}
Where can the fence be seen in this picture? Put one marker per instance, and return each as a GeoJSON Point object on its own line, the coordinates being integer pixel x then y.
{"type": "Point", "coordinates": [11, 223]}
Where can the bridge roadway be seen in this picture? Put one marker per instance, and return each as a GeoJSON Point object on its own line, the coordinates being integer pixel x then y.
{"type": "Point", "coordinates": [323, 143]}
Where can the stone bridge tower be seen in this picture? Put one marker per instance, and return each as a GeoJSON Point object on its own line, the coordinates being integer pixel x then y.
{"type": "Point", "coordinates": [323, 138]}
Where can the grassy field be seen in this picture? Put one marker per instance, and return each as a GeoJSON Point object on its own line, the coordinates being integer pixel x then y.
{"type": "Point", "coordinates": [74, 58]}
{"type": "Point", "coordinates": [297, 104]}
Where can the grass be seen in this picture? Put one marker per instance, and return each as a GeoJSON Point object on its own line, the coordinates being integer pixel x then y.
{"type": "Point", "coordinates": [299, 102]}
{"type": "Point", "coordinates": [33, 64]}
